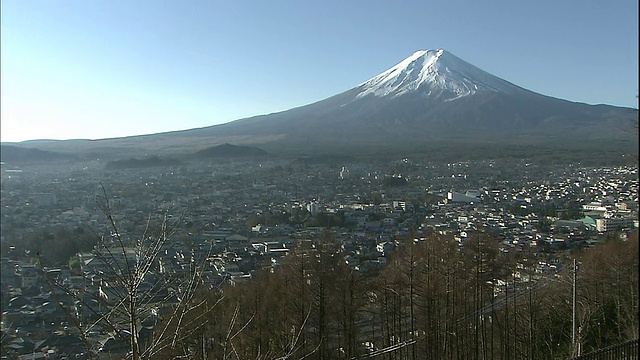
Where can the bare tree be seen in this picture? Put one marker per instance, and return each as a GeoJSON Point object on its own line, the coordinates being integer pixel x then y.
{"type": "Point", "coordinates": [130, 291]}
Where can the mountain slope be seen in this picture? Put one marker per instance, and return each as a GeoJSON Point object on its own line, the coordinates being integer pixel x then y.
{"type": "Point", "coordinates": [229, 151]}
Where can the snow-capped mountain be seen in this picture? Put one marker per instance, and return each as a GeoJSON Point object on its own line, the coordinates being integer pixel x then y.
{"type": "Point", "coordinates": [434, 72]}
{"type": "Point", "coordinates": [430, 100]}
{"type": "Point", "coordinates": [430, 97]}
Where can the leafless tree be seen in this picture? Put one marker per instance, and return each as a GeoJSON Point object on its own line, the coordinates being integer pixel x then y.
{"type": "Point", "coordinates": [129, 292]}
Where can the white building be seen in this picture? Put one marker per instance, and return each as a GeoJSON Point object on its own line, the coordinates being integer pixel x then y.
{"type": "Point", "coordinates": [313, 208]}
{"type": "Point", "coordinates": [613, 224]}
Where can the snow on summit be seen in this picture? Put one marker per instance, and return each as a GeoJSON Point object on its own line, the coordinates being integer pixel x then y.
{"type": "Point", "coordinates": [433, 72]}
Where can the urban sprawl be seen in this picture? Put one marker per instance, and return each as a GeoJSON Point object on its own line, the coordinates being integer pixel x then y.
{"type": "Point", "coordinates": [240, 217]}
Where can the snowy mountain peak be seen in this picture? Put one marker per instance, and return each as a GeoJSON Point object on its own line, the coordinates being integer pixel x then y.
{"type": "Point", "coordinates": [433, 73]}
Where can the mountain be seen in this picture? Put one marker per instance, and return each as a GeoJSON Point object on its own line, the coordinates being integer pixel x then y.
{"type": "Point", "coordinates": [432, 97]}
{"type": "Point", "coordinates": [435, 74]}
{"type": "Point", "coordinates": [19, 155]}
{"type": "Point", "coordinates": [133, 163]}
{"type": "Point", "coordinates": [227, 151]}
{"type": "Point", "coordinates": [428, 101]}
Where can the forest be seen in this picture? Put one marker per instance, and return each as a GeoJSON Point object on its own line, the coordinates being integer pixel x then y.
{"type": "Point", "coordinates": [435, 299]}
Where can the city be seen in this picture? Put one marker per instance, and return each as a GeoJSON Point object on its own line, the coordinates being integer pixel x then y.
{"type": "Point", "coordinates": [241, 217]}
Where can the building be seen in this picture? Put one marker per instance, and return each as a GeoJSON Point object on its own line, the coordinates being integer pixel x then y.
{"type": "Point", "coordinates": [461, 198]}
{"type": "Point", "coordinates": [29, 275]}
{"type": "Point", "coordinates": [613, 224]}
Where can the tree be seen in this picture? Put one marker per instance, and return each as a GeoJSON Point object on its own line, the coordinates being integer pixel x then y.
{"type": "Point", "coordinates": [133, 293]}
{"type": "Point", "coordinates": [608, 289]}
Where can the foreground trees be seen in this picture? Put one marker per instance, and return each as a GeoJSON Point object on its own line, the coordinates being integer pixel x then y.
{"type": "Point", "coordinates": [435, 298]}
{"type": "Point", "coordinates": [148, 309]}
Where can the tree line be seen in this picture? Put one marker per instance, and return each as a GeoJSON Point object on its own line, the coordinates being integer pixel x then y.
{"type": "Point", "coordinates": [435, 299]}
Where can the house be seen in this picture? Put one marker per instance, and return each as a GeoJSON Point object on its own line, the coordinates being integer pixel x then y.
{"type": "Point", "coordinates": [388, 221]}
{"type": "Point", "coordinates": [237, 242]}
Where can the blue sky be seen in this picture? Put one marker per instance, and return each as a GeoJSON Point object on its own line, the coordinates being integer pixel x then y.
{"type": "Point", "coordinates": [110, 68]}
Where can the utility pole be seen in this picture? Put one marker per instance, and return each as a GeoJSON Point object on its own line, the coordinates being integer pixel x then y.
{"type": "Point", "coordinates": [574, 337]}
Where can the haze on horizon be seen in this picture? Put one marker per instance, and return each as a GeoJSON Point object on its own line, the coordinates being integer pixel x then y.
{"type": "Point", "coordinates": [114, 68]}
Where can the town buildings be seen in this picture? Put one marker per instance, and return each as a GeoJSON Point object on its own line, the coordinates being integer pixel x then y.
{"type": "Point", "coordinates": [240, 217]}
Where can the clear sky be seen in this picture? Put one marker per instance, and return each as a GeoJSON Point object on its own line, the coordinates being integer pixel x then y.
{"type": "Point", "coordinates": [109, 68]}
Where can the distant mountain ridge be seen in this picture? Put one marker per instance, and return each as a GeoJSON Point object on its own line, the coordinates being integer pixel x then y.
{"type": "Point", "coordinates": [430, 99]}
{"type": "Point", "coordinates": [17, 154]}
